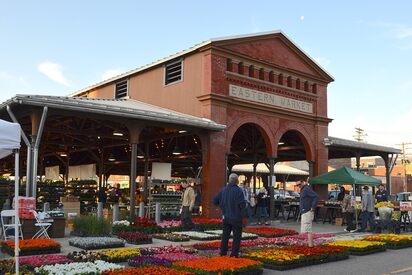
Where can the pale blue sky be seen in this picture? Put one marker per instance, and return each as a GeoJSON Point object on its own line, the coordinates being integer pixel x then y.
{"type": "Point", "coordinates": [57, 47]}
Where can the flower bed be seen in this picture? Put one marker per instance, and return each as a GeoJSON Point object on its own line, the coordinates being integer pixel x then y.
{"type": "Point", "coordinates": [245, 235]}
{"type": "Point", "coordinates": [315, 236]}
{"type": "Point", "coordinates": [40, 260]}
{"type": "Point", "coordinates": [77, 268]}
{"type": "Point", "coordinates": [123, 222]}
{"type": "Point", "coordinates": [84, 256]}
{"type": "Point", "coordinates": [210, 245]}
{"type": "Point", "coordinates": [221, 265]}
{"type": "Point", "coordinates": [201, 236]}
{"type": "Point", "coordinates": [151, 270]}
{"type": "Point", "coordinates": [32, 247]}
{"type": "Point", "coordinates": [203, 224]}
{"type": "Point", "coordinates": [168, 224]}
{"type": "Point", "coordinates": [96, 242]}
{"type": "Point", "coordinates": [166, 249]}
{"type": "Point", "coordinates": [270, 231]}
{"type": "Point", "coordinates": [135, 237]}
{"type": "Point", "coordinates": [172, 237]}
{"type": "Point", "coordinates": [119, 255]}
{"type": "Point", "coordinates": [392, 241]}
{"type": "Point", "coordinates": [7, 267]}
{"type": "Point", "coordinates": [143, 225]}
{"type": "Point", "coordinates": [297, 256]}
{"type": "Point", "coordinates": [360, 247]}
{"type": "Point", "coordinates": [178, 257]}
{"type": "Point", "coordinates": [148, 260]}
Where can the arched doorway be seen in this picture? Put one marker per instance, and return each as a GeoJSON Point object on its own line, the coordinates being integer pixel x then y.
{"type": "Point", "coordinates": [250, 145]}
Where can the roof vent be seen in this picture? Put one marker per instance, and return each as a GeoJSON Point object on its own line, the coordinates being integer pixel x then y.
{"type": "Point", "coordinates": [121, 88]}
{"type": "Point", "coordinates": [173, 71]}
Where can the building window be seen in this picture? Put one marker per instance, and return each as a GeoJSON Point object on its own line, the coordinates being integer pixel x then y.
{"type": "Point", "coordinates": [121, 88]}
{"type": "Point", "coordinates": [173, 71]}
{"type": "Point", "coordinates": [229, 65]}
{"type": "Point", "coordinates": [306, 86]}
{"type": "Point", "coordinates": [262, 74]}
{"type": "Point", "coordinates": [280, 80]}
{"type": "Point", "coordinates": [251, 71]}
{"type": "Point", "coordinates": [240, 68]}
{"type": "Point", "coordinates": [314, 88]}
{"type": "Point", "coordinates": [298, 84]}
{"type": "Point", "coordinates": [289, 81]}
{"type": "Point", "coordinates": [271, 76]}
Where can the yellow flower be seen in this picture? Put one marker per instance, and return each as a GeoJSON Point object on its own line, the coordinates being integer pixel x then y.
{"type": "Point", "coordinates": [356, 243]}
{"type": "Point", "coordinates": [120, 253]}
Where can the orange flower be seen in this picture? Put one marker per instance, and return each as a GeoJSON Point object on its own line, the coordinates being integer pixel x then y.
{"type": "Point", "coordinates": [149, 270]}
{"type": "Point", "coordinates": [219, 264]}
{"type": "Point", "coordinates": [34, 243]}
{"type": "Point", "coordinates": [270, 231]}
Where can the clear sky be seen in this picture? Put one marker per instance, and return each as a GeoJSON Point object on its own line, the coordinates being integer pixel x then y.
{"type": "Point", "coordinates": [58, 47]}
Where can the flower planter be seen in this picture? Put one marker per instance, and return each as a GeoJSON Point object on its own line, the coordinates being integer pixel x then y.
{"type": "Point", "coordinates": [399, 245]}
{"type": "Point", "coordinates": [166, 249]}
{"type": "Point", "coordinates": [367, 252]}
{"type": "Point", "coordinates": [147, 260]}
{"type": "Point", "coordinates": [256, 271]}
{"type": "Point", "coordinates": [171, 237]}
{"type": "Point", "coordinates": [77, 268]}
{"type": "Point", "coordinates": [199, 236]}
{"type": "Point", "coordinates": [32, 247]}
{"type": "Point", "coordinates": [90, 243]}
{"type": "Point", "coordinates": [119, 255]}
{"type": "Point", "coordinates": [153, 270]}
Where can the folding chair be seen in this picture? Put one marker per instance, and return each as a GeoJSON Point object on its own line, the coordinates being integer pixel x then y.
{"type": "Point", "coordinates": [7, 224]}
{"type": "Point", "coordinates": [42, 225]}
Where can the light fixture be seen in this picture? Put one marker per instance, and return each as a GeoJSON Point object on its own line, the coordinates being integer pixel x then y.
{"type": "Point", "coordinates": [176, 151]}
{"type": "Point", "coordinates": [119, 134]}
{"type": "Point", "coordinates": [182, 131]}
{"type": "Point", "coordinates": [281, 143]}
{"type": "Point", "coordinates": [111, 158]}
{"type": "Point", "coordinates": [63, 154]}
{"type": "Point", "coordinates": [140, 156]}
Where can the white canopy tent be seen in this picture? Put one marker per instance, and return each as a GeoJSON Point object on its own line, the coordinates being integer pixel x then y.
{"type": "Point", "coordinates": [9, 143]}
{"type": "Point", "coordinates": [263, 169]}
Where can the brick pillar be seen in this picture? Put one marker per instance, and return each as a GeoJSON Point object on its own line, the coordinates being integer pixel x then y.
{"type": "Point", "coordinates": [213, 150]}
{"type": "Point", "coordinates": [321, 160]}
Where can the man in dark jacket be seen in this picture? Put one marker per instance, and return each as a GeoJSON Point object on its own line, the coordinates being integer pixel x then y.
{"type": "Point", "coordinates": [308, 203]}
{"type": "Point", "coordinates": [232, 202]}
{"type": "Point", "coordinates": [381, 195]}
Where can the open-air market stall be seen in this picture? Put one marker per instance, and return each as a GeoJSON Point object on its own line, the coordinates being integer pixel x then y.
{"type": "Point", "coordinates": [343, 176]}
{"type": "Point", "coordinates": [10, 143]}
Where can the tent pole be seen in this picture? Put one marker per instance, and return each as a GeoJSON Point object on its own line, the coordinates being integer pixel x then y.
{"type": "Point", "coordinates": [356, 212]}
{"type": "Point", "coordinates": [16, 206]}
{"type": "Point", "coordinates": [29, 151]}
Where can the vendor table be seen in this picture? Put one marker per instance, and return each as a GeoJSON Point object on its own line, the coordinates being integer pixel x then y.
{"type": "Point", "coordinates": [294, 211]}
{"type": "Point", "coordinates": [331, 213]}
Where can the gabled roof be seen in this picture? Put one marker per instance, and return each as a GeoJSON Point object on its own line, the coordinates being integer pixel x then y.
{"type": "Point", "coordinates": [127, 108]}
{"type": "Point", "coordinates": [194, 48]}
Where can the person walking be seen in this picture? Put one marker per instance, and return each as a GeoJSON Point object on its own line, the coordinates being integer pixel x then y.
{"type": "Point", "coordinates": [262, 206]}
{"type": "Point", "coordinates": [381, 195]}
{"type": "Point", "coordinates": [232, 203]}
{"type": "Point", "coordinates": [188, 202]}
{"type": "Point", "coordinates": [308, 203]}
{"type": "Point", "coordinates": [368, 210]}
{"type": "Point", "coordinates": [247, 193]}
{"type": "Point", "coordinates": [348, 211]}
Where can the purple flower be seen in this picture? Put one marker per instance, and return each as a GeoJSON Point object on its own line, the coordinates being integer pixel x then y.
{"type": "Point", "coordinates": [147, 260]}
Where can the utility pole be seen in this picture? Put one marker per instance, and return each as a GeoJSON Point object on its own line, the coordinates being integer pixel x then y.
{"type": "Point", "coordinates": [404, 163]}
{"type": "Point", "coordinates": [360, 134]}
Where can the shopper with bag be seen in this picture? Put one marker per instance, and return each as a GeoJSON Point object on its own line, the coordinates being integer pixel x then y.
{"type": "Point", "coordinates": [262, 205]}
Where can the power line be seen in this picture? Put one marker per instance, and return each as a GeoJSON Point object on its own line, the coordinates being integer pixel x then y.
{"type": "Point", "coordinates": [404, 163]}
{"type": "Point", "coordinates": [360, 134]}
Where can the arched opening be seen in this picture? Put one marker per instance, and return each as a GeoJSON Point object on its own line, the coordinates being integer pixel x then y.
{"type": "Point", "coordinates": [250, 145]}
{"type": "Point", "coordinates": [294, 151]}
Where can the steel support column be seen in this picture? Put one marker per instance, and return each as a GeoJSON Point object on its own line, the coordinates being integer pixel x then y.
{"type": "Point", "coordinates": [36, 151]}
{"type": "Point", "coordinates": [133, 167]}
{"type": "Point", "coordinates": [271, 191]}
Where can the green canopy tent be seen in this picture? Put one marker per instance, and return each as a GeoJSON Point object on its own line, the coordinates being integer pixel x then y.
{"type": "Point", "coordinates": [345, 175]}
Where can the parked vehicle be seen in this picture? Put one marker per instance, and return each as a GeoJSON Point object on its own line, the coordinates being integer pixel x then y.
{"type": "Point", "coordinates": [403, 196]}
{"type": "Point", "coordinates": [282, 194]}
{"type": "Point", "coordinates": [294, 194]}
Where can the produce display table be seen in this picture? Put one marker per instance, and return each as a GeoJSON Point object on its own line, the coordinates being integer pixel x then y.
{"type": "Point", "coordinates": [56, 230]}
{"type": "Point", "coordinates": [332, 212]}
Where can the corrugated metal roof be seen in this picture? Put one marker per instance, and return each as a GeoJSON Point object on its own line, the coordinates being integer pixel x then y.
{"type": "Point", "coordinates": [263, 169]}
{"type": "Point", "coordinates": [116, 107]}
{"type": "Point", "coordinates": [340, 142]}
{"type": "Point", "coordinates": [191, 49]}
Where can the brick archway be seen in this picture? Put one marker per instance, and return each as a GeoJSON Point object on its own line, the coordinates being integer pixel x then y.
{"type": "Point", "coordinates": [305, 137]}
{"type": "Point", "coordinates": [261, 124]}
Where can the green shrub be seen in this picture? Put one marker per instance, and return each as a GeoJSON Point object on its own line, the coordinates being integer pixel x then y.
{"type": "Point", "coordinates": [91, 226]}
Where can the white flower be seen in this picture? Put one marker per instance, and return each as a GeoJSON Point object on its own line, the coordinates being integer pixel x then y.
{"type": "Point", "coordinates": [77, 268]}
{"type": "Point", "coordinates": [197, 235]}
{"type": "Point", "coordinates": [95, 242]}
{"type": "Point", "coordinates": [220, 233]}
{"type": "Point", "coordinates": [123, 222]}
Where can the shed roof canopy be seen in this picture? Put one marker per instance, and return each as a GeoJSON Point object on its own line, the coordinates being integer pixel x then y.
{"type": "Point", "coordinates": [262, 168]}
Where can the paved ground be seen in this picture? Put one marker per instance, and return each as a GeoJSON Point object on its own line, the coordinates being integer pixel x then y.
{"type": "Point", "coordinates": [389, 262]}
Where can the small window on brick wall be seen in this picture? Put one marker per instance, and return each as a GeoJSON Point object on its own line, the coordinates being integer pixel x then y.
{"type": "Point", "coordinates": [298, 84]}
{"type": "Point", "coordinates": [121, 88]}
{"type": "Point", "coordinates": [173, 71]}
{"type": "Point", "coordinates": [240, 68]}
{"type": "Point", "coordinates": [306, 87]}
{"type": "Point", "coordinates": [271, 76]}
{"type": "Point", "coordinates": [251, 71]}
{"type": "Point", "coordinates": [289, 81]}
{"type": "Point", "coordinates": [229, 65]}
{"type": "Point", "coordinates": [262, 74]}
{"type": "Point", "coordinates": [280, 80]}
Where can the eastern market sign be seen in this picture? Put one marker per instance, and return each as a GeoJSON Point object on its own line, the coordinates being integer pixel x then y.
{"type": "Point", "coordinates": [270, 99]}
